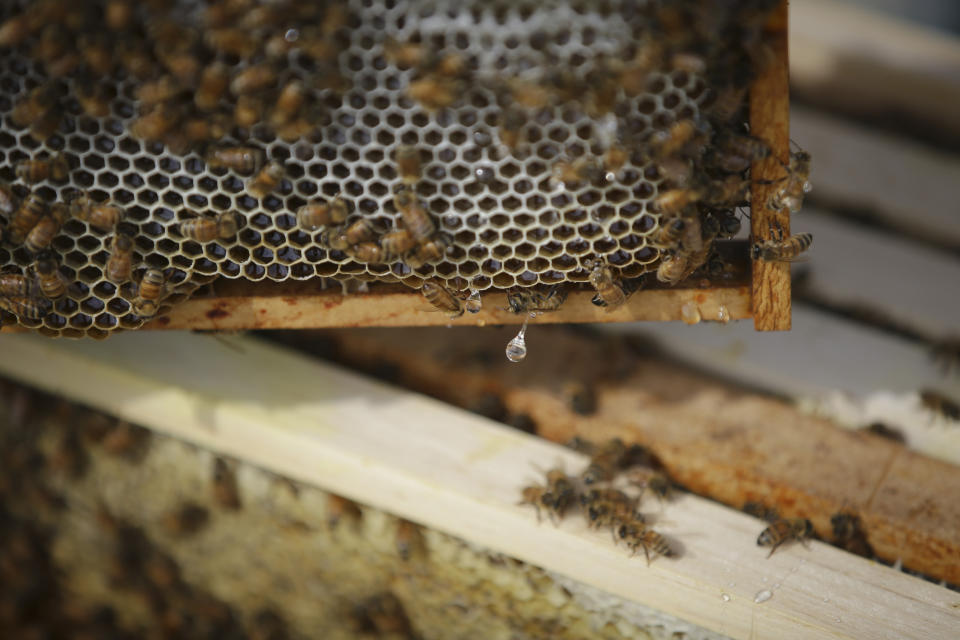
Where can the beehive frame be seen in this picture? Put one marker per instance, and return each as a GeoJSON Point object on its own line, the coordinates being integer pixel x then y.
{"type": "Point", "coordinates": [760, 290]}
{"type": "Point", "coordinates": [269, 303]}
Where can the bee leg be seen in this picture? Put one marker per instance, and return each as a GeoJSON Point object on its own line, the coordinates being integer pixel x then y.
{"type": "Point", "coordinates": [646, 552]}
{"type": "Point", "coordinates": [773, 548]}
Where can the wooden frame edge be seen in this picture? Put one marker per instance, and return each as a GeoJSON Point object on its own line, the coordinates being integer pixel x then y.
{"type": "Point", "coordinates": [770, 120]}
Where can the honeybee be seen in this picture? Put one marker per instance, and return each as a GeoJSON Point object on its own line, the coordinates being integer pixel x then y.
{"type": "Point", "coordinates": [383, 616]}
{"type": "Point", "coordinates": [605, 462]}
{"type": "Point", "coordinates": [673, 268]}
{"type": "Point", "coordinates": [222, 227]}
{"type": "Point", "coordinates": [35, 106]}
{"type": "Point", "coordinates": [797, 183]}
{"type": "Point", "coordinates": [8, 201]}
{"type": "Point", "coordinates": [403, 54]}
{"type": "Point", "coordinates": [529, 94]}
{"type": "Point", "coordinates": [155, 92]}
{"type": "Point", "coordinates": [635, 75]}
{"type": "Point", "coordinates": [580, 398]}
{"type": "Point", "coordinates": [136, 59]}
{"type": "Point", "coordinates": [156, 123]}
{"type": "Point", "coordinates": [434, 92]}
{"type": "Point", "coordinates": [149, 292]}
{"type": "Point", "coordinates": [431, 250]}
{"type": "Point", "coordinates": [609, 507]}
{"type": "Point", "coordinates": [442, 298]}
{"type": "Point", "coordinates": [681, 135]}
{"type": "Point", "coordinates": [655, 481]}
{"type": "Point", "coordinates": [231, 41]}
{"type": "Point", "coordinates": [212, 86]}
{"type": "Point", "coordinates": [184, 65]}
{"type": "Point", "coordinates": [885, 431]}
{"type": "Point", "coordinates": [126, 440]}
{"type": "Point", "coordinates": [730, 191]}
{"type": "Point", "coordinates": [940, 404]}
{"type": "Point", "coordinates": [96, 53]}
{"type": "Point", "coordinates": [288, 104]}
{"type": "Point", "coordinates": [727, 104]}
{"type": "Point", "coordinates": [294, 129]}
{"type": "Point", "coordinates": [671, 232]}
{"type": "Point", "coordinates": [187, 519]}
{"type": "Point", "coordinates": [253, 79]}
{"type": "Point", "coordinates": [780, 250]}
{"type": "Point", "coordinates": [528, 300]}
{"type": "Point", "coordinates": [561, 491]}
{"type": "Point", "coordinates": [120, 262]}
{"type": "Point", "coordinates": [46, 229]}
{"type": "Point", "coordinates": [409, 540]}
{"type": "Point", "coordinates": [269, 178]}
{"type": "Point", "coordinates": [760, 510]}
{"type": "Point", "coordinates": [23, 307]}
{"type": "Point", "coordinates": [538, 496]}
{"type": "Point", "coordinates": [396, 244]}
{"type": "Point", "coordinates": [848, 533]}
{"type": "Point", "coordinates": [614, 158]}
{"type": "Point", "coordinates": [745, 147]}
{"type": "Point", "coordinates": [94, 99]}
{"type": "Point", "coordinates": [118, 14]}
{"type": "Point", "coordinates": [785, 530]}
{"type": "Point", "coordinates": [15, 285]}
{"type": "Point", "coordinates": [343, 237]}
{"type": "Point", "coordinates": [415, 219]}
{"type": "Point", "coordinates": [104, 217]}
{"type": "Point", "coordinates": [408, 164]}
{"type": "Point", "coordinates": [637, 535]}
{"type": "Point", "coordinates": [52, 284]}
{"type": "Point", "coordinates": [581, 170]}
{"type": "Point", "coordinates": [728, 222]}
{"type": "Point", "coordinates": [511, 127]}
{"type": "Point", "coordinates": [15, 30]}
{"type": "Point", "coordinates": [610, 291]}
{"type": "Point", "coordinates": [160, 570]}
{"type": "Point", "coordinates": [674, 201]}
{"type": "Point", "coordinates": [339, 508]}
{"type": "Point", "coordinates": [369, 252]}
{"type": "Point", "coordinates": [249, 110]}
{"type": "Point", "coordinates": [31, 210]}
{"type": "Point", "coordinates": [225, 490]}
{"type": "Point", "coordinates": [316, 214]}
{"type": "Point", "coordinates": [239, 159]}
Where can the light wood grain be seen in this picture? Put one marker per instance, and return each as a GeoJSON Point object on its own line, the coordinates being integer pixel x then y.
{"type": "Point", "coordinates": [460, 474]}
{"type": "Point", "coordinates": [864, 61]}
{"type": "Point", "coordinates": [244, 305]}
{"type": "Point", "coordinates": [893, 179]}
{"type": "Point", "coordinates": [770, 120]}
{"type": "Point", "coordinates": [898, 280]}
{"type": "Point", "coordinates": [719, 440]}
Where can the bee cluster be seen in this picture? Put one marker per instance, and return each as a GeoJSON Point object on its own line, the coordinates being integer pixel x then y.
{"type": "Point", "coordinates": [506, 146]}
{"type": "Point", "coordinates": [600, 502]}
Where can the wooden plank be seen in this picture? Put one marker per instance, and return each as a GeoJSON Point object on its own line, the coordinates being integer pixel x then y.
{"type": "Point", "coordinates": [719, 441]}
{"type": "Point", "coordinates": [460, 474]}
{"type": "Point", "coordinates": [898, 280]}
{"type": "Point", "coordinates": [863, 61]}
{"type": "Point", "coordinates": [895, 180]}
{"type": "Point", "coordinates": [769, 119]}
{"type": "Point", "coordinates": [296, 305]}
{"type": "Point", "coordinates": [833, 368]}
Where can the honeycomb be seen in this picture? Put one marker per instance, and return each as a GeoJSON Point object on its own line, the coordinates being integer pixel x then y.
{"type": "Point", "coordinates": [510, 222]}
